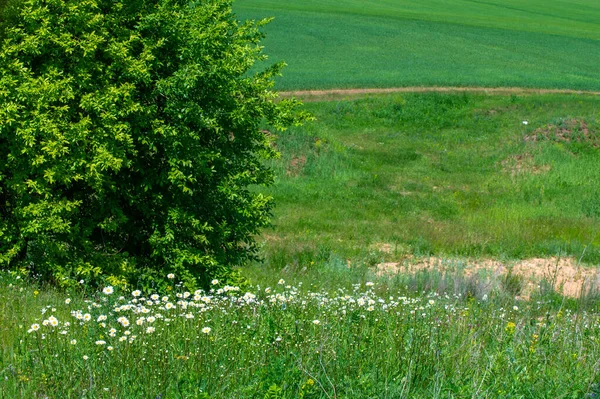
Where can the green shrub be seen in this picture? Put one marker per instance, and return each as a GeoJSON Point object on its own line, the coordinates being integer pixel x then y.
{"type": "Point", "coordinates": [8, 12]}
{"type": "Point", "coordinates": [130, 140]}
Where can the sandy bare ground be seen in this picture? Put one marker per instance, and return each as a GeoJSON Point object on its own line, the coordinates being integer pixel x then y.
{"type": "Point", "coordinates": [316, 95]}
{"type": "Point", "coordinates": [565, 274]}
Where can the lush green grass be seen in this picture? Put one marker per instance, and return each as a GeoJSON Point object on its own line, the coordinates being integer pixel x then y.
{"type": "Point", "coordinates": [381, 43]}
{"type": "Point", "coordinates": [441, 174]}
{"type": "Point", "coordinates": [359, 340]}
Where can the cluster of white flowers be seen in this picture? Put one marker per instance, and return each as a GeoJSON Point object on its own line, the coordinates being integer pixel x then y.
{"type": "Point", "coordinates": [145, 312]}
{"type": "Point", "coordinates": [120, 321]}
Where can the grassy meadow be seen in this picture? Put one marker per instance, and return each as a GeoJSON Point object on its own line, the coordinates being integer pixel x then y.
{"type": "Point", "coordinates": [364, 339]}
{"type": "Point", "coordinates": [373, 179]}
{"type": "Point", "coordinates": [389, 43]}
{"type": "Point", "coordinates": [455, 174]}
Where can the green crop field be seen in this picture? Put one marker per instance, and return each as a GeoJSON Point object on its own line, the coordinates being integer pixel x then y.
{"type": "Point", "coordinates": [384, 43]}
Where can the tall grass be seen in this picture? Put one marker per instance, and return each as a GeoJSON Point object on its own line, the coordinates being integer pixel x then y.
{"type": "Point", "coordinates": [294, 340]}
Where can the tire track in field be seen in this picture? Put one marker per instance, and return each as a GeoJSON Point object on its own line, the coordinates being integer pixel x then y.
{"type": "Point", "coordinates": [315, 95]}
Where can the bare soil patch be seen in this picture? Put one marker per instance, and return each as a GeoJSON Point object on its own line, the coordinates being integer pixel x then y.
{"type": "Point", "coordinates": [564, 274]}
{"type": "Point", "coordinates": [523, 164]}
{"type": "Point", "coordinates": [319, 95]}
{"type": "Point", "coordinates": [566, 131]}
{"type": "Point", "coordinates": [383, 247]}
{"type": "Point", "coordinates": [296, 165]}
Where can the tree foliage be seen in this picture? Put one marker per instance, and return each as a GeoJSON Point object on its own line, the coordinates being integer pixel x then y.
{"type": "Point", "coordinates": [8, 13]}
{"type": "Point", "coordinates": [130, 139]}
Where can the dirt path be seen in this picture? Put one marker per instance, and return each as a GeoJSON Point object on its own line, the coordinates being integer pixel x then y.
{"type": "Point", "coordinates": [315, 95]}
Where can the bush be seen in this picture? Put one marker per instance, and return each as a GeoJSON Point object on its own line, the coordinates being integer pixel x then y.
{"type": "Point", "coordinates": [8, 12]}
{"type": "Point", "coordinates": [131, 142]}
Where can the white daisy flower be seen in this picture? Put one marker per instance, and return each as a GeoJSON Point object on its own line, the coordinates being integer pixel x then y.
{"type": "Point", "coordinates": [123, 321]}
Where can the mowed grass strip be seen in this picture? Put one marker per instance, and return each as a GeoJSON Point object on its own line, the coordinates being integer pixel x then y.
{"type": "Point", "coordinates": [382, 43]}
{"type": "Point", "coordinates": [447, 174]}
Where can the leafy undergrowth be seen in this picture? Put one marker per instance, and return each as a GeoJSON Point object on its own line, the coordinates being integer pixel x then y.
{"type": "Point", "coordinates": [363, 340]}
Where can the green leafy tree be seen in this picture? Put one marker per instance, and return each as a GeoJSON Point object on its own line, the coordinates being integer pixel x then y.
{"type": "Point", "coordinates": [8, 12]}
{"type": "Point", "coordinates": [131, 141]}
